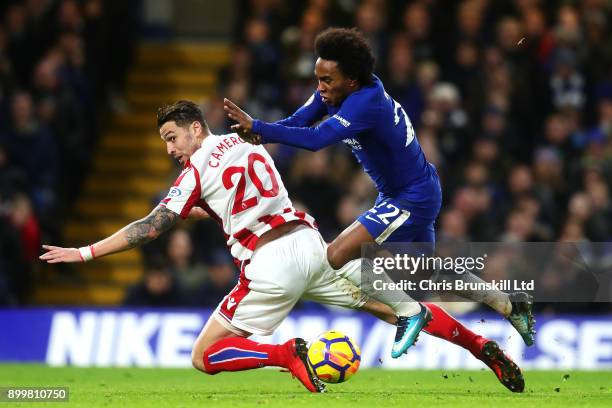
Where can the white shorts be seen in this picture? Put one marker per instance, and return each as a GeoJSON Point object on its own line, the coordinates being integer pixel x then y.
{"type": "Point", "coordinates": [281, 272]}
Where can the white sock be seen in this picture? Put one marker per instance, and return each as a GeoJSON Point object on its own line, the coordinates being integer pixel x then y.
{"type": "Point", "coordinates": [496, 299]}
{"type": "Point", "coordinates": [398, 300]}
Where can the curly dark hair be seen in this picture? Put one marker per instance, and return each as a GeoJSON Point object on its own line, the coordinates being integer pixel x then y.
{"type": "Point", "coordinates": [183, 112]}
{"type": "Point", "coordinates": [349, 49]}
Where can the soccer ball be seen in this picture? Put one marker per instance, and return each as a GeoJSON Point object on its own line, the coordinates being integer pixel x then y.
{"type": "Point", "coordinates": [334, 357]}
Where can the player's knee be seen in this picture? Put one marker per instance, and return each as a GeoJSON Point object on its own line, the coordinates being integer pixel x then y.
{"type": "Point", "coordinates": [197, 361]}
{"type": "Point", "coordinates": [336, 256]}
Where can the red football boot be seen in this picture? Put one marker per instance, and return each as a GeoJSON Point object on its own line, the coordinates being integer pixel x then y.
{"type": "Point", "coordinates": [299, 368]}
{"type": "Point", "coordinates": [506, 370]}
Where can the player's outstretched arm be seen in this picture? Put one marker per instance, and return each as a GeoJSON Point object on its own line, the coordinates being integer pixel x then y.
{"type": "Point", "coordinates": [256, 132]}
{"type": "Point", "coordinates": [308, 114]}
{"type": "Point", "coordinates": [137, 233]}
{"type": "Point", "coordinates": [312, 139]}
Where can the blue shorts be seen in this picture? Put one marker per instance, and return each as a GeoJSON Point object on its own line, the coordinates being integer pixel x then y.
{"type": "Point", "coordinates": [390, 221]}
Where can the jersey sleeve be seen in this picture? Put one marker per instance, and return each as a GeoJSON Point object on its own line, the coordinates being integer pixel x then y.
{"type": "Point", "coordinates": [184, 194]}
{"type": "Point", "coordinates": [350, 121]}
{"type": "Point", "coordinates": [312, 111]}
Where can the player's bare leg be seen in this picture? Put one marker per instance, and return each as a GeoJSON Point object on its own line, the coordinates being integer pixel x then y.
{"type": "Point", "coordinates": [347, 245]}
{"type": "Point", "coordinates": [212, 332]}
{"type": "Point", "coordinates": [219, 349]}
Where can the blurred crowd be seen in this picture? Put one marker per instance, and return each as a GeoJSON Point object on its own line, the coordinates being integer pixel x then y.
{"type": "Point", "coordinates": [57, 77]}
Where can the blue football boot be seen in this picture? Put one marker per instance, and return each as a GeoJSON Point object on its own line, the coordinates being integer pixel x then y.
{"type": "Point", "coordinates": [521, 316]}
{"type": "Point", "coordinates": [408, 329]}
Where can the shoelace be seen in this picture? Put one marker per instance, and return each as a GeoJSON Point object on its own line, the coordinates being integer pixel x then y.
{"type": "Point", "coordinates": [518, 320]}
{"type": "Point", "coordinates": [402, 325]}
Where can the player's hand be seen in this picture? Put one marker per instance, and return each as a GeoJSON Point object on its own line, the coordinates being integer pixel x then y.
{"type": "Point", "coordinates": [58, 254]}
{"type": "Point", "coordinates": [235, 113]}
{"type": "Point", "coordinates": [198, 213]}
{"type": "Point", "coordinates": [244, 126]}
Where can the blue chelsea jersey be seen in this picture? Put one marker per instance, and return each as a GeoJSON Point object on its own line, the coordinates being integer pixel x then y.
{"type": "Point", "coordinates": [381, 136]}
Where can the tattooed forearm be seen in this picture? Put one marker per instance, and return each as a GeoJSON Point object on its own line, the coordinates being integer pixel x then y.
{"type": "Point", "coordinates": [142, 231]}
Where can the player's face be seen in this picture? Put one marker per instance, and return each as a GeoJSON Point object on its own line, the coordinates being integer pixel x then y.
{"type": "Point", "coordinates": [333, 85]}
{"type": "Point", "coordinates": [181, 142]}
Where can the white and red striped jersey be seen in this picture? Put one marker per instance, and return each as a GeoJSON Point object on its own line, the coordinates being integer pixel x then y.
{"type": "Point", "coordinates": [239, 186]}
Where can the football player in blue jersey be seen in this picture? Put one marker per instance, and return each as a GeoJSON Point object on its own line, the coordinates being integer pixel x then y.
{"type": "Point", "coordinates": [377, 129]}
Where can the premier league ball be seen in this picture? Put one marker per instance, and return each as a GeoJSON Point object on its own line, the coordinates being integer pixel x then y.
{"type": "Point", "coordinates": [334, 357]}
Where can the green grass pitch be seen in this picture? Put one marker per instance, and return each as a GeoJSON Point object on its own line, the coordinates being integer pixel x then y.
{"type": "Point", "coordinates": [138, 387]}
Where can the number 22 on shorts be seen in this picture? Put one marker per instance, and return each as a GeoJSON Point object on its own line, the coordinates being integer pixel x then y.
{"type": "Point", "coordinates": [381, 216]}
